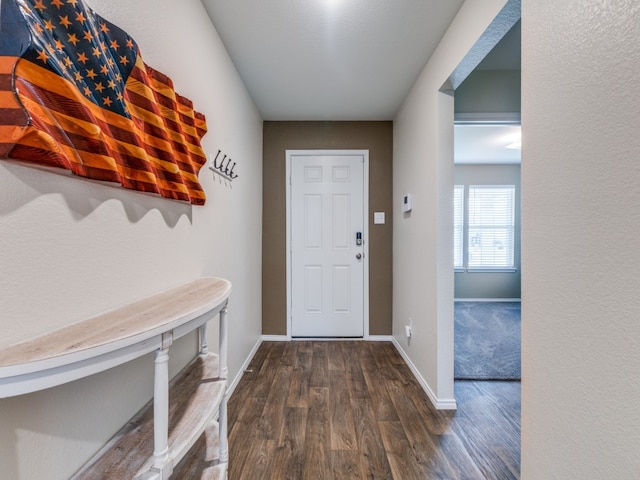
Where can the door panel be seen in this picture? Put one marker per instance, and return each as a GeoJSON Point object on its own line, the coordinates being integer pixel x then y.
{"type": "Point", "coordinates": [312, 289]}
{"type": "Point", "coordinates": [327, 279]}
{"type": "Point", "coordinates": [340, 213]}
{"type": "Point", "coordinates": [313, 222]}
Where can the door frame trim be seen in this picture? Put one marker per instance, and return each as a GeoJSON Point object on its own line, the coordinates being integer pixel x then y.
{"type": "Point", "coordinates": [365, 223]}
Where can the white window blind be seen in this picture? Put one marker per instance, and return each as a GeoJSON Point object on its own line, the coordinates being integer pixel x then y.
{"type": "Point", "coordinates": [458, 225]}
{"type": "Point", "coordinates": [491, 226]}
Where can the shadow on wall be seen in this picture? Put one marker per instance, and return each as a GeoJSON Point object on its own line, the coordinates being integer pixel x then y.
{"type": "Point", "coordinates": [82, 196]}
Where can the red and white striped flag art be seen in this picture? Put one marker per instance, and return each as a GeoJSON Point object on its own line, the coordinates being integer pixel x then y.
{"type": "Point", "coordinates": [75, 94]}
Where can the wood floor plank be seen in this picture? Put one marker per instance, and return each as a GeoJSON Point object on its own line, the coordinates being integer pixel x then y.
{"type": "Point", "coordinates": [298, 394]}
{"type": "Point", "coordinates": [366, 357]}
{"type": "Point", "coordinates": [240, 431]}
{"type": "Point", "coordinates": [423, 443]}
{"type": "Point", "coordinates": [335, 356]}
{"type": "Point", "coordinates": [264, 378]}
{"type": "Point", "coordinates": [399, 452]}
{"type": "Point", "coordinates": [259, 461]}
{"type": "Point", "coordinates": [385, 367]}
{"type": "Point", "coordinates": [438, 422]}
{"type": "Point", "coordinates": [289, 354]}
{"type": "Point", "coordinates": [343, 433]}
{"type": "Point", "coordinates": [384, 409]}
{"type": "Point", "coordinates": [346, 465]}
{"type": "Point", "coordinates": [353, 409]}
{"type": "Point", "coordinates": [373, 456]}
{"type": "Point", "coordinates": [354, 377]}
{"type": "Point", "coordinates": [305, 346]}
{"type": "Point", "coordinates": [258, 358]}
{"type": "Point", "coordinates": [457, 464]}
{"type": "Point", "coordinates": [428, 448]}
{"type": "Point", "coordinates": [242, 391]}
{"type": "Point", "coordinates": [485, 459]}
{"type": "Point", "coordinates": [276, 349]}
{"type": "Point", "coordinates": [320, 365]}
{"type": "Point", "coordinates": [392, 354]}
{"type": "Point", "coordinates": [246, 384]}
{"type": "Point", "coordinates": [272, 420]}
{"type": "Point", "coordinates": [317, 459]}
{"type": "Point", "coordinates": [304, 358]}
{"type": "Point", "coordinates": [289, 454]}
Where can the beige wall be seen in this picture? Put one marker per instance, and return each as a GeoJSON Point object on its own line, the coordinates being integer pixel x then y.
{"type": "Point", "coordinates": [580, 225]}
{"type": "Point", "coordinates": [281, 136]}
{"type": "Point", "coordinates": [423, 241]}
{"type": "Point", "coordinates": [71, 248]}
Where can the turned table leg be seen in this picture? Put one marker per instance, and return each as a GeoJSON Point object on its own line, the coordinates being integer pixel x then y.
{"type": "Point", "coordinates": [161, 405]}
{"type": "Point", "coordinates": [222, 420]}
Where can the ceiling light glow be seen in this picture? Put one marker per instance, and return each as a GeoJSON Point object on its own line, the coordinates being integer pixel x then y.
{"type": "Point", "coordinates": [515, 142]}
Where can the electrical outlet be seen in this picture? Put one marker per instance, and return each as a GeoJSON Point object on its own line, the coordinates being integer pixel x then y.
{"type": "Point", "coordinates": [407, 329]}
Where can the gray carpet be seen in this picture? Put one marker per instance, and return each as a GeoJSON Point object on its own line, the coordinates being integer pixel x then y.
{"type": "Point", "coordinates": [487, 341]}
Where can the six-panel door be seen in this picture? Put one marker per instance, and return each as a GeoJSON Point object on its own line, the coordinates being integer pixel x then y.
{"type": "Point", "coordinates": [327, 264]}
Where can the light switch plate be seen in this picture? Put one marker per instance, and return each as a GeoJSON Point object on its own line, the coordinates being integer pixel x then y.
{"type": "Point", "coordinates": [378, 218]}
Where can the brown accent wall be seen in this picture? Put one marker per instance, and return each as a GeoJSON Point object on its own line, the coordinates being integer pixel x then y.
{"type": "Point", "coordinates": [377, 137]}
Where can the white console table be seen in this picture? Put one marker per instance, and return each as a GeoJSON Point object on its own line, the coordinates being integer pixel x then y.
{"type": "Point", "coordinates": [198, 394]}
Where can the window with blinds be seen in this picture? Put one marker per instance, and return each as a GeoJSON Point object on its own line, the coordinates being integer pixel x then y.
{"type": "Point", "coordinates": [458, 226]}
{"type": "Point", "coordinates": [491, 219]}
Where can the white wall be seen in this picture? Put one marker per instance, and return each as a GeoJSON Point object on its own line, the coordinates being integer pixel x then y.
{"type": "Point", "coordinates": [71, 248]}
{"type": "Point", "coordinates": [422, 241]}
{"type": "Point", "coordinates": [580, 225]}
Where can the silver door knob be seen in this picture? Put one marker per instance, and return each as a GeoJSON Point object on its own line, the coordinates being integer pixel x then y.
{"type": "Point", "coordinates": [358, 256]}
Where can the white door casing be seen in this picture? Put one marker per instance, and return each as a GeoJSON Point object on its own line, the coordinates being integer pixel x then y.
{"type": "Point", "coordinates": [327, 271]}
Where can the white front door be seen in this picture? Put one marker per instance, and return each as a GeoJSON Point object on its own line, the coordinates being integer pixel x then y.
{"type": "Point", "coordinates": [327, 259]}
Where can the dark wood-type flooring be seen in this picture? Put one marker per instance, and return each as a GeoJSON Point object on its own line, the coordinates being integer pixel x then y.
{"type": "Point", "coordinates": [353, 410]}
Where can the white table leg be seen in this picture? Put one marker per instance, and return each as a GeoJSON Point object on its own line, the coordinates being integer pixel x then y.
{"type": "Point", "coordinates": [222, 419]}
{"type": "Point", "coordinates": [222, 424]}
{"type": "Point", "coordinates": [224, 371]}
{"type": "Point", "coordinates": [161, 406]}
{"type": "Point", "coordinates": [202, 339]}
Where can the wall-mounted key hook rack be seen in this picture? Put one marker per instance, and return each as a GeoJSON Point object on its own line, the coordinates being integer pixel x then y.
{"type": "Point", "coordinates": [223, 167]}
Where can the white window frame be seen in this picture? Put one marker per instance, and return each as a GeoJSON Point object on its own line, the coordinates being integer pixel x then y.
{"type": "Point", "coordinates": [458, 228]}
{"type": "Point", "coordinates": [482, 216]}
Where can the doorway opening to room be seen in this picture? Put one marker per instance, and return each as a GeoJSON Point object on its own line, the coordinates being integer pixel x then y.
{"type": "Point", "coordinates": [487, 138]}
{"type": "Point", "coordinates": [487, 253]}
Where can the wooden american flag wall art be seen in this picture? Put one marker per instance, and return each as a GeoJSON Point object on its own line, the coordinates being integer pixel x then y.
{"type": "Point", "coordinates": [75, 94]}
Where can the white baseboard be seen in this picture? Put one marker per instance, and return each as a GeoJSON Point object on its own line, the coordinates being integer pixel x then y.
{"type": "Point", "coordinates": [284, 338]}
{"type": "Point", "coordinates": [275, 338]}
{"type": "Point", "coordinates": [438, 403]}
{"type": "Point", "coordinates": [487, 300]}
{"type": "Point", "coordinates": [236, 380]}
{"type": "Point", "coordinates": [371, 338]}
{"type": "Point", "coordinates": [380, 338]}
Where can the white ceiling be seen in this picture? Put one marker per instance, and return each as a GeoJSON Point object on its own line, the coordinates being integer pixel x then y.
{"type": "Point", "coordinates": [485, 143]}
{"type": "Point", "coordinates": [330, 59]}
{"type": "Point", "coordinates": [351, 60]}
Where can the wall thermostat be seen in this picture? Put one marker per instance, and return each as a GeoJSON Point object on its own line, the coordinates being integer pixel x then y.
{"type": "Point", "coordinates": [406, 202]}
